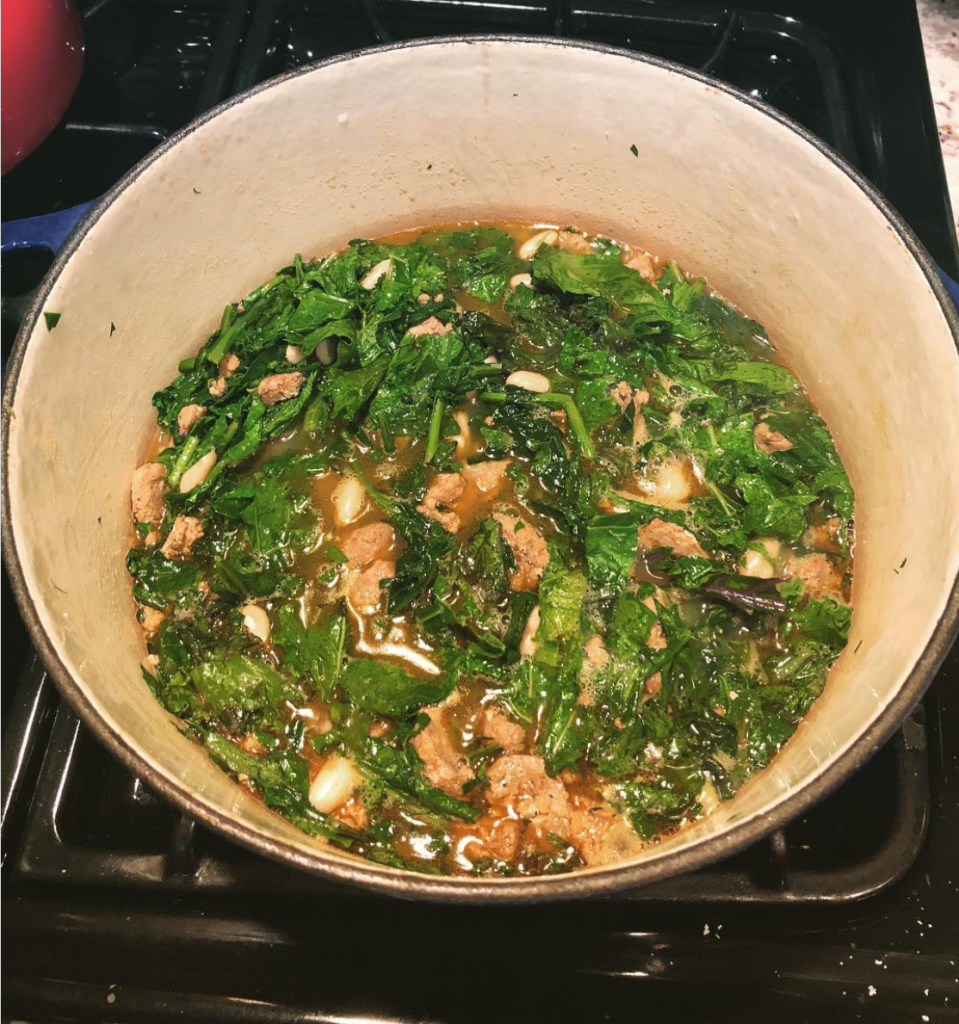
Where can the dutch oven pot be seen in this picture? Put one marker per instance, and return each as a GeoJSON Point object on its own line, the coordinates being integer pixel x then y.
{"type": "Point", "coordinates": [524, 129]}
{"type": "Point", "coordinates": [42, 58]}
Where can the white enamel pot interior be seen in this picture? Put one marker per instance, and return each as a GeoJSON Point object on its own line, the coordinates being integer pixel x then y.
{"type": "Point", "coordinates": [480, 129]}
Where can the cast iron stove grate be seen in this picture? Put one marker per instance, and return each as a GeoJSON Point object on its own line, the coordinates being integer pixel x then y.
{"type": "Point", "coordinates": [99, 871]}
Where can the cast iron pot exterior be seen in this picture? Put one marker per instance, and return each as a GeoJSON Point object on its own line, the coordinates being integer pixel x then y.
{"type": "Point", "coordinates": [488, 128]}
{"type": "Point", "coordinates": [42, 61]}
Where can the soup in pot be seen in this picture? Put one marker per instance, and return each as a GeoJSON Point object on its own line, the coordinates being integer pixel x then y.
{"type": "Point", "coordinates": [489, 549]}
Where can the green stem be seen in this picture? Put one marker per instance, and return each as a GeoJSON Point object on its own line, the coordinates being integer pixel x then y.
{"type": "Point", "coordinates": [386, 434]}
{"type": "Point", "coordinates": [222, 344]}
{"type": "Point", "coordinates": [576, 424]}
{"type": "Point", "coordinates": [720, 497]}
{"type": "Point", "coordinates": [228, 314]}
{"type": "Point", "coordinates": [226, 322]}
{"type": "Point", "coordinates": [483, 751]}
{"type": "Point", "coordinates": [553, 398]}
{"type": "Point", "coordinates": [313, 414]}
{"type": "Point", "coordinates": [253, 302]}
{"type": "Point", "coordinates": [436, 425]}
{"type": "Point", "coordinates": [182, 461]}
{"type": "Point", "coordinates": [389, 504]}
{"type": "Point", "coordinates": [487, 370]}
{"type": "Point", "coordinates": [258, 293]}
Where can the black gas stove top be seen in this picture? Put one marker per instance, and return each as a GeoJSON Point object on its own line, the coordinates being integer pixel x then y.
{"type": "Point", "coordinates": [116, 908]}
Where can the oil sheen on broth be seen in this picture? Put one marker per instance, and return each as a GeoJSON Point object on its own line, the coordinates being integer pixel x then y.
{"type": "Point", "coordinates": [489, 549]}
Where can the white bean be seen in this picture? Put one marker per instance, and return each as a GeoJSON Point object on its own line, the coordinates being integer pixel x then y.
{"type": "Point", "coordinates": [349, 500]}
{"type": "Point", "coordinates": [375, 274]}
{"type": "Point", "coordinates": [772, 545]}
{"type": "Point", "coordinates": [294, 354]}
{"type": "Point", "coordinates": [528, 381]}
{"type": "Point", "coordinates": [758, 565]}
{"type": "Point", "coordinates": [528, 249]}
{"type": "Point", "coordinates": [198, 472]}
{"type": "Point", "coordinates": [334, 784]}
{"type": "Point", "coordinates": [527, 643]}
{"type": "Point", "coordinates": [708, 797]}
{"type": "Point", "coordinates": [517, 279]}
{"type": "Point", "coordinates": [463, 422]}
{"type": "Point", "coordinates": [672, 485]}
{"type": "Point", "coordinates": [256, 621]}
{"type": "Point", "coordinates": [326, 351]}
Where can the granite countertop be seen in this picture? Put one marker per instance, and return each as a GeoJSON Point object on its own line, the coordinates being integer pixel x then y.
{"type": "Point", "coordinates": [940, 35]}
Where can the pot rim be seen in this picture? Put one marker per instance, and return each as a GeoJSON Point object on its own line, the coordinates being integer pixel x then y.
{"type": "Point", "coordinates": [404, 883]}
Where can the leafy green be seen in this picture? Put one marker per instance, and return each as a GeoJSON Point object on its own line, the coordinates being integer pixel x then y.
{"type": "Point", "coordinates": [387, 689]}
{"type": "Point", "coordinates": [262, 422]}
{"type": "Point", "coordinates": [824, 620]}
{"type": "Point", "coordinates": [566, 491]}
{"type": "Point", "coordinates": [268, 507]}
{"type": "Point", "coordinates": [484, 559]}
{"type": "Point", "coordinates": [611, 547]}
{"type": "Point", "coordinates": [604, 275]}
{"type": "Point", "coordinates": [240, 576]}
{"type": "Point", "coordinates": [631, 624]}
{"type": "Point", "coordinates": [158, 580]}
{"type": "Point", "coordinates": [423, 370]}
{"type": "Point", "coordinates": [653, 806]}
{"type": "Point", "coordinates": [264, 315]}
{"type": "Point", "coordinates": [813, 459]}
{"type": "Point", "coordinates": [768, 513]}
{"type": "Point", "coordinates": [427, 543]}
{"type": "Point", "coordinates": [345, 392]}
{"type": "Point", "coordinates": [283, 779]}
{"type": "Point", "coordinates": [561, 596]}
{"type": "Point", "coordinates": [471, 581]}
{"type": "Point", "coordinates": [314, 653]}
{"type": "Point", "coordinates": [486, 262]}
{"type": "Point", "coordinates": [592, 396]}
{"type": "Point", "coordinates": [567, 725]}
{"type": "Point", "coordinates": [718, 521]}
{"type": "Point", "coordinates": [238, 688]}
{"type": "Point", "coordinates": [402, 770]}
{"type": "Point", "coordinates": [548, 695]}
{"type": "Point", "coordinates": [317, 308]}
{"type": "Point", "coordinates": [762, 378]}
{"type": "Point", "coordinates": [538, 320]}
{"type": "Point", "coordinates": [453, 605]}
